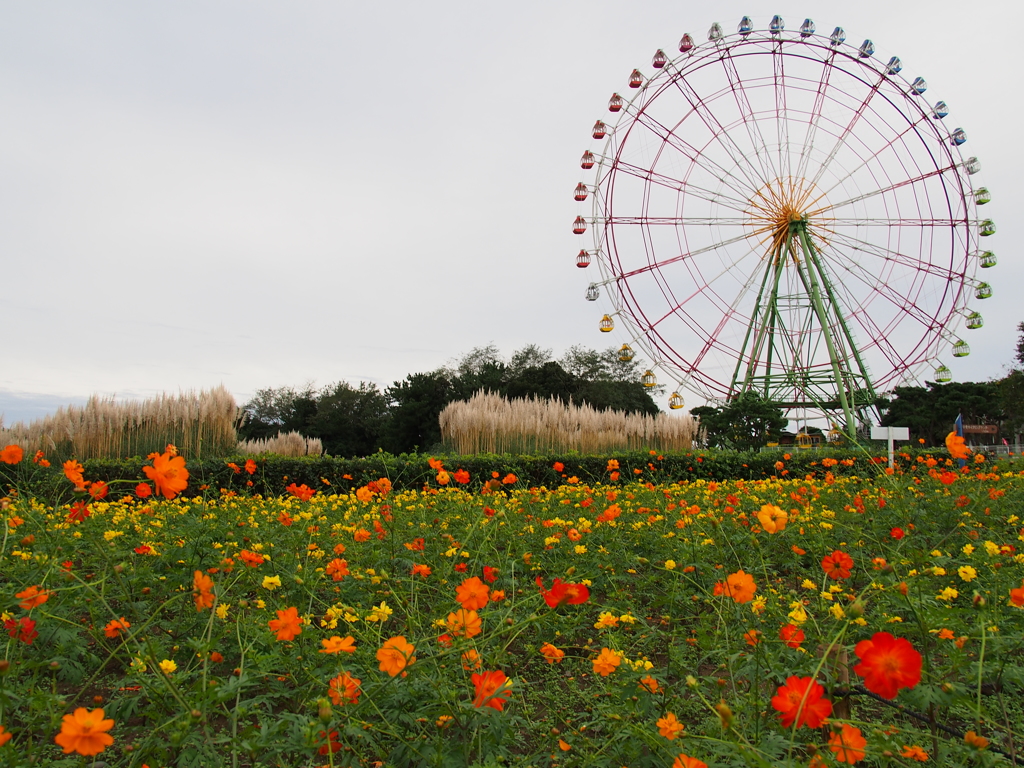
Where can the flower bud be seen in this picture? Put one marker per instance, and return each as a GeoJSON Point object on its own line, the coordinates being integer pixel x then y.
{"type": "Point", "coordinates": [857, 609]}
{"type": "Point", "coordinates": [978, 600]}
{"type": "Point", "coordinates": [724, 714]}
{"type": "Point", "coordinates": [324, 711]}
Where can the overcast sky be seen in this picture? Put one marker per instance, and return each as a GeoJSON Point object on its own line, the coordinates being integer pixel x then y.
{"type": "Point", "coordinates": [260, 194]}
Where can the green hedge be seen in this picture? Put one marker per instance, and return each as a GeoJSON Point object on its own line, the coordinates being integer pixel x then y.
{"type": "Point", "coordinates": [412, 471]}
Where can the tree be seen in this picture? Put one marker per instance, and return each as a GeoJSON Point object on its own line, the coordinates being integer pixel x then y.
{"type": "Point", "coordinates": [747, 422]}
{"type": "Point", "coordinates": [930, 411]}
{"type": "Point", "coordinates": [271, 411]}
{"type": "Point", "coordinates": [350, 421]}
{"type": "Point", "coordinates": [415, 403]}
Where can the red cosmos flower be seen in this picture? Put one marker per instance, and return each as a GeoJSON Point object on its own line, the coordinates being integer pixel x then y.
{"type": "Point", "coordinates": [837, 565]}
{"type": "Point", "coordinates": [562, 593]}
{"type": "Point", "coordinates": [947, 477]}
{"type": "Point", "coordinates": [250, 466]}
{"type": "Point", "coordinates": [79, 511]}
{"type": "Point", "coordinates": [330, 743]}
{"type": "Point", "coordinates": [461, 476]}
{"type": "Point", "coordinates": [558, 466]}
{"type": "Point", "coordinates": [791, 635]}
{"type": "Point", "coordinates": [490, 574]}
{"type": "Point", "coordinates": [887, 664]}
{"type": "Point", "coordinates": [801, 701]}
{"type": "Point", "coordinates": [492, 688]}
{"type": "Point", "coordinates": [461, 567]}
{"type": "Point", "coordinates": [23, 629]}
{"type": "Point", "coordinates": [143, 490]}
{"type": "Point", "coordinates": [416, 545]}
{"type": "Point", "coordinates": [301, 492]}
{"type": "Point", "coordinates": [488, 512]}
{"type": "Point", "coordinates": [897, 533]}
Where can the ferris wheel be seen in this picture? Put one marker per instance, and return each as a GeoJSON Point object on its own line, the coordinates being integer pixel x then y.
{"type": "Point", "coordinates": [785, 213]}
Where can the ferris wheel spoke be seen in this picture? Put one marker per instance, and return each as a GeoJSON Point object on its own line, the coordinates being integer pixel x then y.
{"type": "Point", "coordinates": [816, 113]}
{"type": "Point", "coordinates": [896, 257]}
{"type": "Point", "coordinates": [678, 220]}
{"type": "Point", "coordinates": [845, 134]}
{"type": "Point", "coordinates": [880, 191]}
{"type": "Point", "coordinates": [682, 257]}
{"type": "Point", "coordinates": [828, 223]}
{"type": "Point", "coordinates": [750, 123]}
{"type": "Point", "coordinates": [781, 111]}
{"type": "Point", "coordinates": [691, 153]}
{"type": "Point", "coordinates": [871, 281]}
{"type": "Point", "coordinates": [718, 131]}
{"type": "Point", "coordinates": [676, 185]}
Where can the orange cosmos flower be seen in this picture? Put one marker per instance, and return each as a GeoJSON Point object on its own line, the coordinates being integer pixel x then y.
{"type": "Point", "coordinates": [12, 454]}
{"type": "Point", "coordinates": [472, 593]}
{"type": "Point", "coordinates": [650, 684]}
{"type": "Point", "coordinates": [203, 587]}
{"type": "Point", "coordinates": [361, 535]}
{"type": "Point", "coordinates": [669, 726]}
{"type": "Point", "coordinates": [301, 492]}
{"type": "Point", "coordinates": [752, 637]}
{"type": "Point", "coordinates": [683, 761]}
{"type": "Point", "coordinates": [287, 625]}
{"type": "Point", "coordinates": [337, 569]}
{"type": "Point", "coordinates": [143, 490]}
{"type": "Point", "coordinates": [509, 479]}
{"type": "Point", "coordinates": [914, 753]}
{"type": "Point", "coordinates": [972, 739]}
{"type": "Point", "coordinates": [1017, 597]}
{"type": "Point", "coordinates": [85, 732]}
{"type": "Point", "coordinates": [4, 736]}
{"type": "Point", "coordinates": [32, 597]}
{"type": "Point", "coordinates": [791, 635]}
{"type": "Point", "coordinates": [419, 569]}
{"type": "Point", "coordinates": [168, 474]}
{"type": "Point", "coordinates": [837, 565]}
{"type": "Point", "coordinates": [395, 655]}
{"type": "Point", "coordinates": [115, 627]}
{"type": "Point", "coordinates": [338, 645]}
{"type": "Point", "coordinates": [250, 466]}
{"type": "Point", "coordinates": [772, 518]}
{"type": "Point", "coordinates": [955, 446]}
{"type": "Point", "coordinates": [443, 478]}
{"type": "Point", "coordinates": [461, 477]}
{"type": "Point", "coordinates": [73, 472]}
{"type": "Point", "coordinates": [887, 664]}
{"type": "Point", "coordinates": [739, 586]}
{"type": "Point", "coordinates": [801, 701]}
{"type": "Point", "coordinates": [552, 654]}
{"type": "Point", "coordinates": [558, 466]}
{"type": "Point", "coordinates": [464, 623]}
{"type": "Point", "coordinates": [848, 744]}
{"type": "Point", "coordinates": [606, 662]}
{"type": "Point", "coordinates": [435, 465]}
{"type": "Point", "coordinates": [251, 559]}
{"type": "Point", "coordinates": [344, 689]}
{"type": "Point", "coordinates": [471, 660]}
{"type": "Point", "coordinates": [492, 689]}
{"type": "Point", "coordinates": [99, 490]}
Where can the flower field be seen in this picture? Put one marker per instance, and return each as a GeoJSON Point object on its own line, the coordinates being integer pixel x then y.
{"type": "Point", "coordinates": [875, 620]}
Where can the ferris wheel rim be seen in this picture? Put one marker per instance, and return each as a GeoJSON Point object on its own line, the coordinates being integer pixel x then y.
{"type": "Point", "coordinates": [616, 275]}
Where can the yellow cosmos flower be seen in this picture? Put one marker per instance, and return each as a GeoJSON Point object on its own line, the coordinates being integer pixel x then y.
{"type": "Point", "coordinates": [167, 666]}
{"type": "Point", "coordinates": [271, 582]}
{"type": "Point", "coordinates": [967, 573]}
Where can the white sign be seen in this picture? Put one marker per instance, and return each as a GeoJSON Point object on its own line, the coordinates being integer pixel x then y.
{"type": "Point", "coordinates": [890, 433]}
